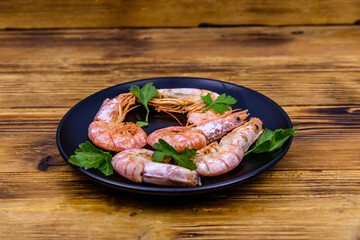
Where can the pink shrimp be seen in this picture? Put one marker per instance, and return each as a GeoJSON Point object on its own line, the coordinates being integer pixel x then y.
{"type": "Point", "coordinates": [200, 135]}
{"type": "Point", "coordinates": [108, 130]}
{"type": "Point", "coordinates": [137, 166]}
{"type": "Point", "coordinates": [218, 158]}
{"type": "Point", "coordinates": [185, 100]}
{"type": "Point", "coordinates": [181, 100]}
{"type": "Point", "coordinates": [199, 117]}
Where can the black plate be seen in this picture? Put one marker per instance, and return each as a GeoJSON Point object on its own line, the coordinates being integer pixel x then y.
{"type": "Point", "coordinates": [73, 127]}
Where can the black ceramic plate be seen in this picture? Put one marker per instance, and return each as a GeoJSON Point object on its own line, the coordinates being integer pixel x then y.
{"type": "Point", "coordinates": [73, 127]}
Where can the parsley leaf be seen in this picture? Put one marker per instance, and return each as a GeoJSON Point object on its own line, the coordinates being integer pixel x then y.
{"type": "Point", "coordinates": [269, 141]}
{"type": "Point", "coordinates": [142, 123]}
{"type": "Point", "coordinates": [107, 168]}
{"type": "Point", "coordinates": [158, 156]}
{"type": "Point", "coordinates": [183, 160]}
{"type": "Point", "coordinates": [88, 156]}
{"type": "Point", "coordinates": [221, 103]}
{"type": "Point", "coordinates": [145, 94]}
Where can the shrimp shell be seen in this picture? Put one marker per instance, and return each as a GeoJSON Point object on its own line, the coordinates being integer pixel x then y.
{"type": "Point", "coordinates": [199, 117]}
{"type": "Point", "coordinates": [186, 100]}
{"type": "Point", "coordinates": [216, 129]}
{"type": "Point", "coordinates": [137, 166]}
{"type": "Point", "coordinates": [118, 136]}
{"type": "Point", "coordinates": [181, 100]}
{"type": "Point", "coordinates": [108, 130]}
{"type": "Point", "coordinates": [198, 136]}
{"type": "Point", "coordinates": [179, 138]}
{"type": "Point", "coordinates": [220, 158]}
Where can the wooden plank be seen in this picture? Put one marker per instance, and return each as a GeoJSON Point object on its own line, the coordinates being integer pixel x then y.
{"type": "Point", "coordinates": [86, 80]}
{"type": "Point", "coordinates": [194, 42]}
{"type": "Point", "coordinates": [326, 58]}
{"type": "Point", "coordinates": [273, 184]}
{"type": "Point", "coordinates": [70, 206]}
{"type": "Point", "coordinates": [160, 13]}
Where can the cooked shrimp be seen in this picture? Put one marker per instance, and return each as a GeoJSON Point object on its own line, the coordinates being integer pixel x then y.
{"type": "Point", "coordinates": [179, 137]}
{"type": "Point", "coordinates": [218, 158]}
{"type": "Point", "coordinates": [137, 166]}
{"type": "Point", "coordinates": [200, 135]}
{"type": "Point", "coordinates": [199, 117]}
{"type": "Point", "coordinates": [181, 100]}
{"type": "Point", "coordinates": [108, 130]}
{"type": "Point", "coordinates": [185, 100]}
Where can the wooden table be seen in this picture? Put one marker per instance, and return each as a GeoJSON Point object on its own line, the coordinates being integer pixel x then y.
{"type": "Point", "coordinates": [312, 72]}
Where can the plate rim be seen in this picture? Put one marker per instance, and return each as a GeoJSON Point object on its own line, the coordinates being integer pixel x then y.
{"type": "Point", "coordinates": [172, 191]}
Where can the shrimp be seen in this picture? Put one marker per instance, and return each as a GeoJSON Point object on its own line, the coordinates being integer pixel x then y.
{"type": "Point", "coordinates": [218, 158]}
{"type": "Point", "coordinates": [181, 100]}
{"type": "Point", "coordinates": [185, 100]}
{"type": "Point", "coordinates": [199, 117]}
{"type": "Point", "coordinates": [137, 166]}
{"type": "Point", "coordinates": [179, 137]}
{"type": "Point", "coordinates": [198, 136]}
{"type": "Point", "coordinates": [108, 130]}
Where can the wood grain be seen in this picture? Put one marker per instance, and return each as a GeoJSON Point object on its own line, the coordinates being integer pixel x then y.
{"type": "Point", "coordinates": [258, 209]}
{"type": "Point", "coordinates": [22, 14]}
{"type": "Point", "coordinates": [312, 72]}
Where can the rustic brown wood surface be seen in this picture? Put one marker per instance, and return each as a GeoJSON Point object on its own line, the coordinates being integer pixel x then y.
{"type": "Point", "coordinates": [312, 72]}
{"type": "Point", "coordinates": [173, 13]}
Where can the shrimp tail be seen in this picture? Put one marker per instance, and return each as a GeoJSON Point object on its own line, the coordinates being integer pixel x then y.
{"type": "Point", "coordinates": [170, 175]}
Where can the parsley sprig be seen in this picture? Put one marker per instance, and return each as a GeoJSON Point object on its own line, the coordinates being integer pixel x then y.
{"type": "Point", "coordinates": [183, 160]}
{"type": "Point", "coordinates": [88, 156]}
{"type": "Point", "coordinates": [145, 94]}
{"type": "Point", "coordinates": [221, 103]}
{"type": "Point", "coordinates": [269, 141]}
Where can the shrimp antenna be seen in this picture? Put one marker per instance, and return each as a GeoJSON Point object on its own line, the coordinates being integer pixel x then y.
{"type": "Point", "coordinates": [160, 109]}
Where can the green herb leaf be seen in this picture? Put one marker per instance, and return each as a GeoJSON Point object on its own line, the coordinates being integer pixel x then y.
{"type": "Point", "coordinates": [184, 160]}
{"type": "Point", "coordinates": [207, 99]}
{"type": "Point", "coordinates": [145, 94]}
{"type": "Point", "coordinates": [88, 156]}
{"type": "Point", "coordinates": [107, 168]}
{"type": "Point", "coordinates": [166, 148]}
{"type": "Point", "coordinates": [221, 103]}
{"type": "Point", "coordinates": [158, 156]}
{"type": "Point", "coordinates": [142, 123]}
{"type": "Point", "coordinates": [269, 141]}
{"type": "Point", "coordinates": [135, 90]}
{"type": "Point", "coordinates": [221, 108]}
{"type": "Point", "coordinates": [86, 160]}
